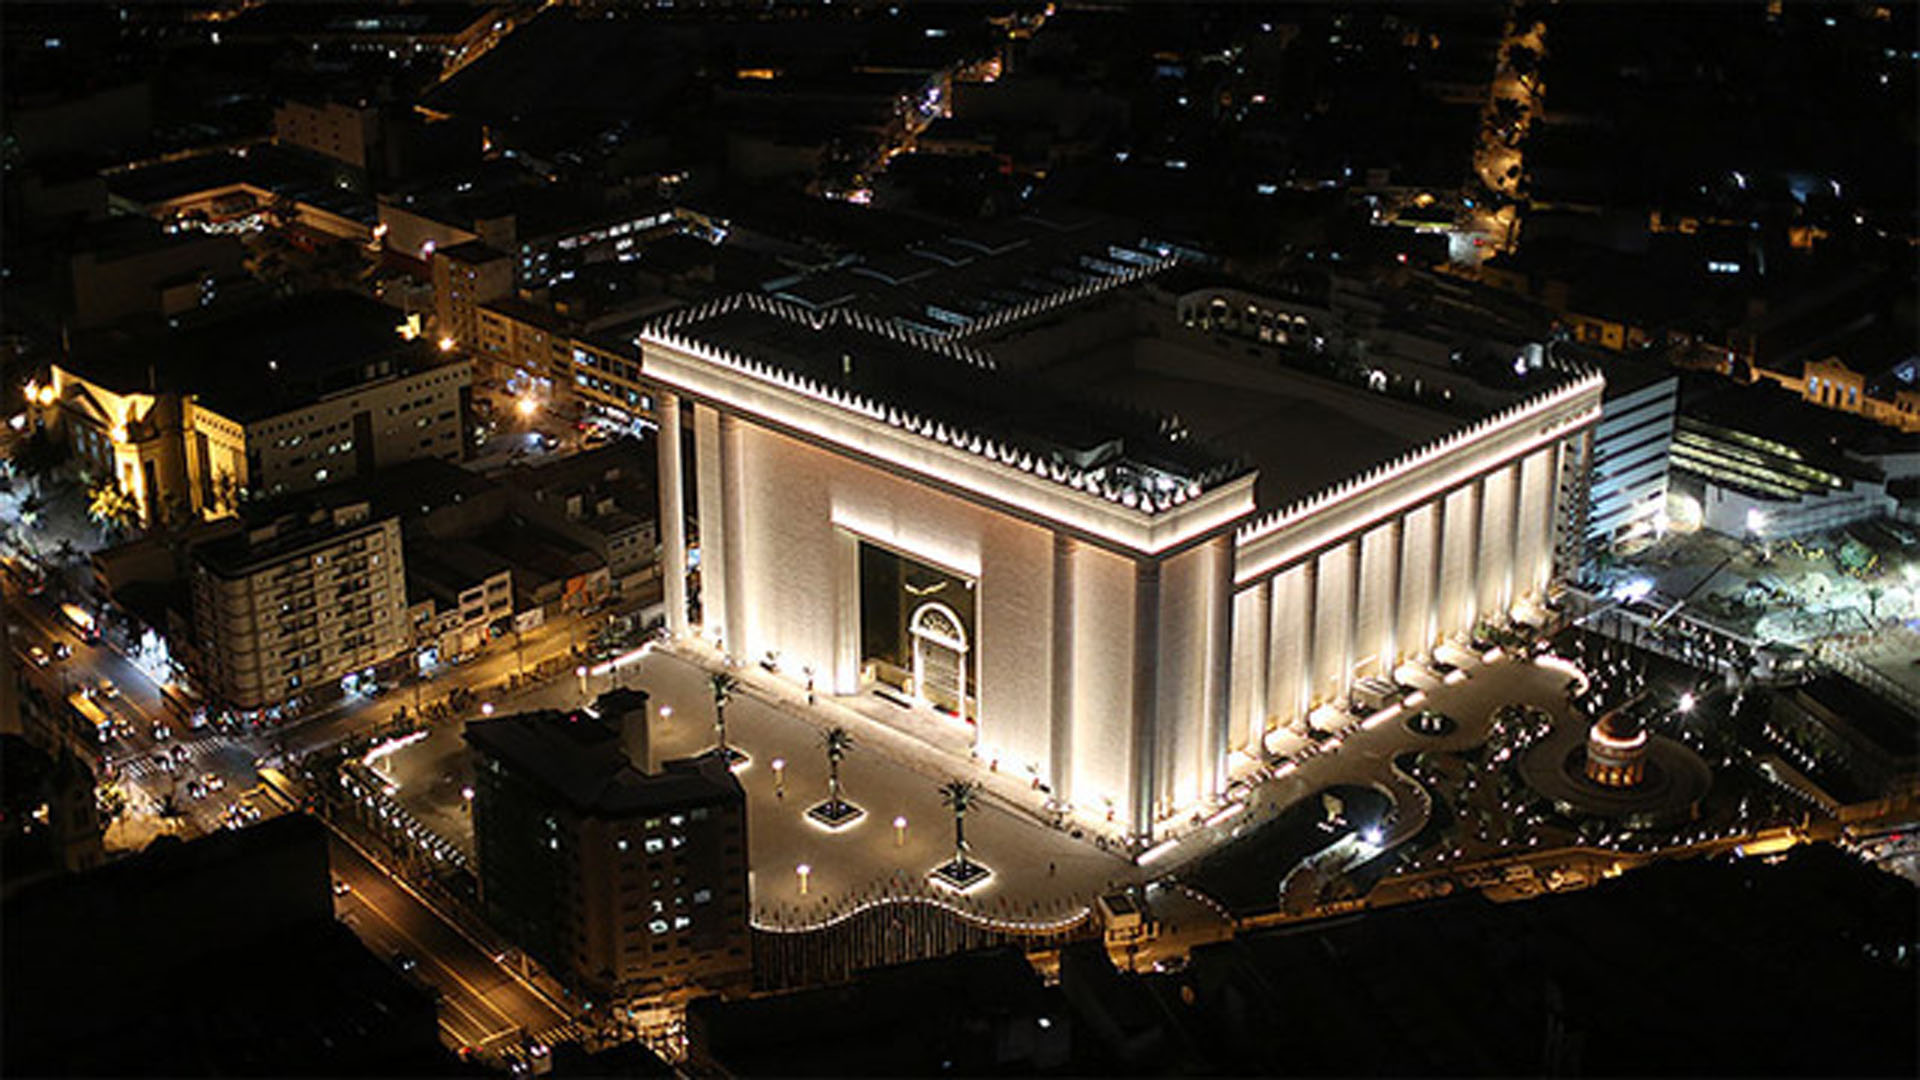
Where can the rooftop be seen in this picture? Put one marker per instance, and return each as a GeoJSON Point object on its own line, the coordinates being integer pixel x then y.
{"type": "Point", "coordinates": [952, 393]}
{"type": "Point", "coordinates": [578, 756]}
{"type": "Point", "coordinates": [270, 359]}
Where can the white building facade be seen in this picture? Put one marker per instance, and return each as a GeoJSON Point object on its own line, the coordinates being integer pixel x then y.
{"type": "Point", "coordinates": [1121, 644]}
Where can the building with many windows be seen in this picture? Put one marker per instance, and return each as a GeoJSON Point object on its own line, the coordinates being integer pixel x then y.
{"type": "Point", "coordinates": [1089, 543]}
{"type": "Point", "coordinates": [308, 601]}
{"type": "Point", "coordinates": [277, 400]}
{"type": "Point", "coordinates": [623, 879]}
{"type": "Point", "coordinates": [1632, 445]}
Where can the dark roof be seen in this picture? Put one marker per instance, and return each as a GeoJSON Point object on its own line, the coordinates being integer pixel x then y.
{"type": "Point", "coordinates": [954, 389]}
{"type": "Point", "coordinates": [578, 757]}
{"type": "Point", "coordinates": [270, 359]}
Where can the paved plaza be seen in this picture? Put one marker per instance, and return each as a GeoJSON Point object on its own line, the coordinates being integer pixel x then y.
{"type": "Point", "coordinates": [1041, 872]}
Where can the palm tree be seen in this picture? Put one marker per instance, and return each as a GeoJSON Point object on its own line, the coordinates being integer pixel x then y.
{"type": "Point", "coordinates": [723, 685]}
{"type": "Point", "coordinates": [959, 796]}
{"type": "Point", "coordinates": [112, 509]}
{"type": "Point", "coordinates": [838, 744]}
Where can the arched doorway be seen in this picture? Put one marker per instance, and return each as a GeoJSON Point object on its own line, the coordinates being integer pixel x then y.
{"type": "Point", "coordinates": [940, 658]}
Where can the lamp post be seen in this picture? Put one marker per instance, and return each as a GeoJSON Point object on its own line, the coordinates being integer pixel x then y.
{"type": "Point", "coordinates": [804, 872]}
{"type": "Point", "coordinates": [581, 672]}
{"type": "Point", "coordinates": [780, 777]}
{"type": "Point", "coordinates": [900, 831]}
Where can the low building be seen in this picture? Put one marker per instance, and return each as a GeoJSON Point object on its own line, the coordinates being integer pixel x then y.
{"type": "Point", "coordinates": [127, 267]}
{"type": "Point", "coordinates": [624, 880]}
{"type": "Point", "coordinates": [305, 603]}
{"type": "Point", "coordinates": [457, 594]}
{"type": "Point", "coordinates": [1756, 461]}
{"type": "Point", "coordinates": [602, 499]}
{"type": "Point", "coordinates": [289, 397]}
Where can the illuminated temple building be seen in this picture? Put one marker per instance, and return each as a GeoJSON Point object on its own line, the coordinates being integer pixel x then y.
{"type": "Point", "coordinates": [1111, 549]}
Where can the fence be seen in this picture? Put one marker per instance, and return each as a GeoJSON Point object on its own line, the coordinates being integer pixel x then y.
{"type": "Point", "coordinates": [893, 929]}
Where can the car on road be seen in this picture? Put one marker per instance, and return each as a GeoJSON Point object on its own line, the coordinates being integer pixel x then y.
{"type": "Point", "coordinates": [123, 729]}
{"type": "Point", "coordinates": [163, 762]}
{"type": "Point", "coordinates": [62, 650]}
{"type": "Point", "coordinates": [106, 689]}
{"type": "Point", "coordinates": [404, 962]}
{"type": "Point", "coordinates": [179, 752]}
{"type": "Point", "coordinates": [196, 790]}
{"type": "Point", "coordinates": [213, 781]}
{"type": "Point", "coordinates": [161, 732]}
{"type": "Point", "coordinates": [39, 656]}
{"type": "Point", "coordinates": [341, 888]}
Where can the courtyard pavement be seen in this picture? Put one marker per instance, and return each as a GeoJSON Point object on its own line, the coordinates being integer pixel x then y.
{"type": "Point", "coordinates": [1042, 874]}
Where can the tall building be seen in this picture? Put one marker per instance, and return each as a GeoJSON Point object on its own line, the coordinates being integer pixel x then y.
{"type": "Point", "coordinates": [308, 601]}
{"type": "Point", "coordinates": [1632, 446]}
{"type": "Point", "coordinates": [466, 276]}
{"type": "Point", "coordinates": [625, 880]}
{"type": "Point", "coordinates": [1113, 600]}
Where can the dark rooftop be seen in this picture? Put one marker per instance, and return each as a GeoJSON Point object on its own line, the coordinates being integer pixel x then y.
{"type": "Point", "coordinates": [579, 757]}
{"type": "Point", "coordinates": [270, 359]}
{"type": "Point", "coordinates": [952, 392]}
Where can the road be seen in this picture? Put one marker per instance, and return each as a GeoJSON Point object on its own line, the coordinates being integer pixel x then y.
{"type": "Point", "coordinates": [481, 1005]}
{"type": "Point", "coordinates": [132, 759]}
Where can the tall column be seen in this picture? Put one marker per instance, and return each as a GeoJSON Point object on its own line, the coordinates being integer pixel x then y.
{"type": "Point", "coordinates": [1146, 693]}
{"type": "Point", "coordinates": [1350, 648]}
{"type": "Point", "coordinates": [1213, 772]}
{"type": "Point", "coordinates": [1258, 679]}
{"type": "Point", "coordinates": [1309, 634]}
{"type": "Point", "coordinates": [1516, 500]}
{"type": "Point", "coordinates": [846, 606]}
{"type": "Point", "coordinates": [673, 512]}
{"type": "Point", "coordinates": [1390, 641]}
{"type": "Point", "coordinates": [732, 507]}
{"type": "Point", "coordinates": [1435, 593]}
{"type": "Point", "coordinates": [1060, 733]}
{"type": "Point", "coordinates": [713, 526]}
{"type": "Point", "coordinates": [1477, 540]}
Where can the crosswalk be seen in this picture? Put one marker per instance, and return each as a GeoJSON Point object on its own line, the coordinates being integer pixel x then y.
{"type": "Point", "coordinates": [139, 765]}
{"type": "Point", "coordinates": [571, 1031]}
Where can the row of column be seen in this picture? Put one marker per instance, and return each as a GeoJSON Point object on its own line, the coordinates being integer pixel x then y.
{"type": "Point", "coordinates": [1298, 623]}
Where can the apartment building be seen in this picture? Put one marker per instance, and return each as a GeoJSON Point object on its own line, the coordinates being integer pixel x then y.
{"type": "Point", "coordinates": [624, 879]}
{"type": "Point", "coordinates": [304, 604]}
{"type": "Point", "coordinates": [466, 276]}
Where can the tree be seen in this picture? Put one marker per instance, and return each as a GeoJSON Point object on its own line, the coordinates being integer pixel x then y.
{"type": "Point", "coordinates": [37, 456]}
{"type": "Point", "coordinates": [723, 685]}
{"type": "Point", "coordinates": [959, 797]}
{"type": "Point", "coordinates": [838, 745]}
{"type": "Point", "coordinates": [112, 509]}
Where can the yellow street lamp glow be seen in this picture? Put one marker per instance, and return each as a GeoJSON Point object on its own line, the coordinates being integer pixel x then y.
{"type": "Point", "coordinates": [118, 433]}
{"type": "Point", "coordinates": [46, 394]}
{"type": "Point", "coordinates": [805, 872]}
{"type": "Point", "coordinates": [446, 344]}
{"type": "Point", "coordinates": [527, 406]}
{"type": "Point", "coordinates": [900, 830]}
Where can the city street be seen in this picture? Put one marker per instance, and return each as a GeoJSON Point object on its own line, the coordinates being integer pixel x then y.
{"type": "Point", "coordinates": [481, 1005]}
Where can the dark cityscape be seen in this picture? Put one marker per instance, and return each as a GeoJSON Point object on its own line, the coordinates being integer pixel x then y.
{"type": "Point", "coordinates": [709, 538]}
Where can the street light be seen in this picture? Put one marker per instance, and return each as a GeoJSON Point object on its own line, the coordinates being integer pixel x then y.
{"type": "Point", "coordinates": [805, 872]}
{"type": "Point", "coordinates": [1686, 702]}
{"type": "Point", "coordinates": [780, 776]}
{"type": "Point", "coordinates": [900, 830]}
{"type": "Point", "coordinates": [527, 407]}
{"type": "Point", "coordinates": [581, 673]}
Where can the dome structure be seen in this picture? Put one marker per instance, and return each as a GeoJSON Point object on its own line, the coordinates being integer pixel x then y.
{"type": "Point", "coordinates": [1617, 749]}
